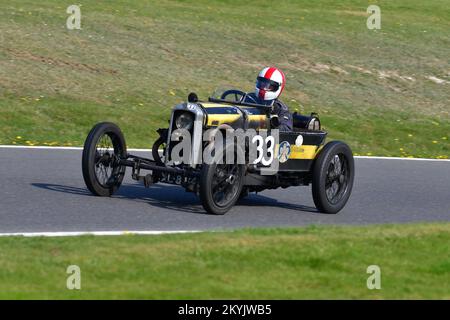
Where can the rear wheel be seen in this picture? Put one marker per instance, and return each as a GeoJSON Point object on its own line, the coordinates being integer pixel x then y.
{"type": "Point", "coordinates": [333, 176]}
{"type": "Point", "coordinates": [220, 185]}
{"type": "Point", "coordinates": [103, 147]}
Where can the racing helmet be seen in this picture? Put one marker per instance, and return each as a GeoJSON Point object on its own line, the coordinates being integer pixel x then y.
{"type": "Point", "coordinates": [270, 83]}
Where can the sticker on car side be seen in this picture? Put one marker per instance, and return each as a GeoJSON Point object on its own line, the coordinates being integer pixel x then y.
{"type": "Point", "coordinates": [284, 151]}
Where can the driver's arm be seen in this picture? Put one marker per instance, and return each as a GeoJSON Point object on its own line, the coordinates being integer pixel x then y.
{"type": "Point", "coordinates": [284, 116]}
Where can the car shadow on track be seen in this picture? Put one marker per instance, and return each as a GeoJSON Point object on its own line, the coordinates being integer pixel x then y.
{"type": "Point", "coordinates": [174, 198]}
{"type": "Point", "coordinates": [161, 196]}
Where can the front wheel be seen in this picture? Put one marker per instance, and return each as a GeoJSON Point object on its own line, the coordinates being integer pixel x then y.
{"type": "Point", "coordinates": [103, 147]}
{"type": "Point", "coordinates": [220, 185]}
{"type": "Point", "coordinates": [333, 175]}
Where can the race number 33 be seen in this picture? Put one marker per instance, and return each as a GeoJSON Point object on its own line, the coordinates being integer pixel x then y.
{"type": "Point", "coordinates": [262, 144]}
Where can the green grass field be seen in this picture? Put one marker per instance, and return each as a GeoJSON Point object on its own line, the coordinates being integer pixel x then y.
{"type": "Point", "coordinates": [133, 60]}
{"type": "Point", "coordinates": [301, 263]}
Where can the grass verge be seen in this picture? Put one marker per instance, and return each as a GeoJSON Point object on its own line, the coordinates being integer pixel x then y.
{"type": "Point", "coordinates": [385, 91]}
{"type": "Point", "coordinates": [298, 263]}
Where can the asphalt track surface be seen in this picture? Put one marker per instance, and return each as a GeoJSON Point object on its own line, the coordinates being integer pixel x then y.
{"type": "Point", "coordinates": [42, 190]}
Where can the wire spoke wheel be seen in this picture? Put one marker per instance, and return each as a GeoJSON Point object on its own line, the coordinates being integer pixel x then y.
{"type": "Point", "coordinates": [221, 183]}
{"type": "Point", "coordinates": [337, 178]}
{"type": "Point", "coordinates": [104, 161]}
{"type": "Point", "coordinates": [103, 148]}
{"type": "Point", "coordinates": [225, 184]}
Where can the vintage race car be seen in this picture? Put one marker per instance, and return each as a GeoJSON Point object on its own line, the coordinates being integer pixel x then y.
{"type": "Point", "coordinates": [188, 153]}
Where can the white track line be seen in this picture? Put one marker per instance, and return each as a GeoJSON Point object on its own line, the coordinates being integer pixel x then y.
{"type": "Point", "coordinates": [399, 158]}
{"type": "Point", "coordinates": [149, 150]}
{"type": "Point", "coordinates": [93, 233]}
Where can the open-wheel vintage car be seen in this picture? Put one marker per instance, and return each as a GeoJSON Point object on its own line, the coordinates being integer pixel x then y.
{"type": "Point", "coordinates": [301, 155]}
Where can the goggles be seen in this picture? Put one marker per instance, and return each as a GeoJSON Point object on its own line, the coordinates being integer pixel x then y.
{"type": "Point", "coordinates": [266, 84]}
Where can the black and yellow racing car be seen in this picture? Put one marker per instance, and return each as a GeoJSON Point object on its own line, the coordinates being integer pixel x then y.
{"type": "Point", "coordinates": [188, 153]}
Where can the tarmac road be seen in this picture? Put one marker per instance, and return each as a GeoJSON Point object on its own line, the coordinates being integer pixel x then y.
{"type": "Point", "coordinates": [42, 190]}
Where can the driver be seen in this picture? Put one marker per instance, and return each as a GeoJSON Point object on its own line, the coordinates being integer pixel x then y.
{"type": "Point", "coordinates": [269, 86]}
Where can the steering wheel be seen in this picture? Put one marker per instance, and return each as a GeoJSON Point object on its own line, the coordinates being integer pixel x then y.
{"type": "Point", "coordinates": [238, 94]}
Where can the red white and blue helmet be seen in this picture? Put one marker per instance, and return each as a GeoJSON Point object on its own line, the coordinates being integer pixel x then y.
{"type": "Point", "coordinates": [270, 83]}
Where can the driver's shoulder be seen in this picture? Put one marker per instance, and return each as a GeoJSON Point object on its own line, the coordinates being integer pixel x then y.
{"type": "Point", "coordinates": [281, 104]}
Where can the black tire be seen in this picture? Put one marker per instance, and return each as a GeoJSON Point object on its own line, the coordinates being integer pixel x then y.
{"type": "Point", "coordinates": [332, 177]}
{"type": "Point", "coordinates": [97, 160]}
{"type": "Point", "coordinates": [155, 151]}
{"type": "Point", "coordinates": [220, 186]}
